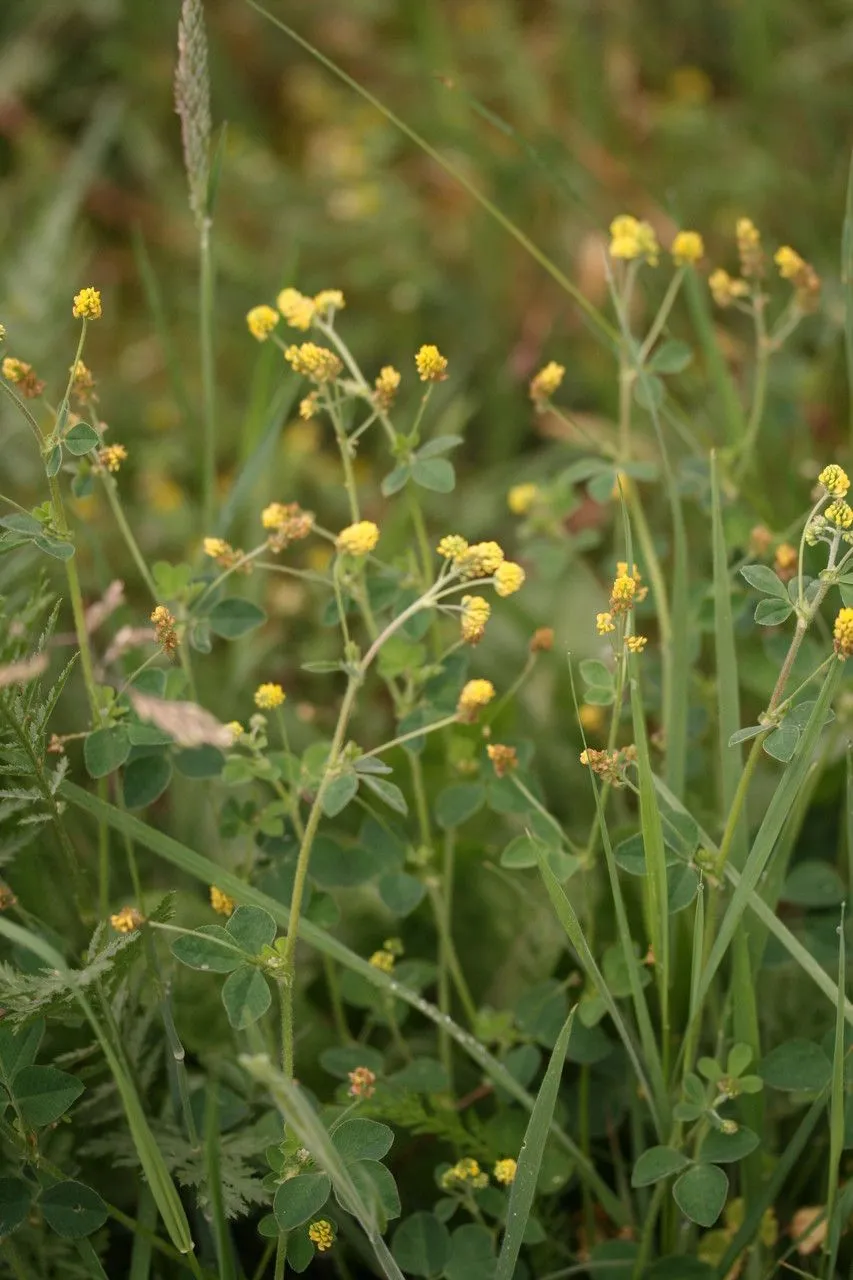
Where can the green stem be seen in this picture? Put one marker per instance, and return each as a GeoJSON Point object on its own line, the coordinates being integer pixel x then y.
{"type": "Point", "coordinates": [111, 490]}
{"type": "Point", "coordinates": [208, 381]}
{"type": "Point", "coordinates": [759, 394]}
{"type": "Point", "coordinates": [407, 737]}
{"type": "Point", "coordinates": [662, 315]}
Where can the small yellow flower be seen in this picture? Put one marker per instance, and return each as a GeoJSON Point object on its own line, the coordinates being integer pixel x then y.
{"type": "Point", "coordinates": [749, 247]}
{"type": "Point", "coordinates": [327, 301]}
{"type": "Point", "coordinates": [839, 513]}
{"type": "Point", "coordinates": [630, 238]}
{"type": "Point", "coordinates": [87, 305]}
{"type": "Point", "coordinates": [386, 386]}
{"type": "Point", "coordinates": [236, 730]}
{"type": "Point", "coordinates": [14, 370]}
{"type": "Point", "coordinates": [785, 561]}
{"type": "Point", "coordinates": [521, 498]}
{"type": "Point", "coordinates": [636, 644]}
{"type": "Point", "coordinates": [452, 546]}
{"type": "Point", "coordinates": [504, 759]}
{"type": "Point", "coordinates": [834, 479]}
{"type": "Point", "coordinates": [475, 614]}
{"type": "Point", "coordinates": [297, 310]}
{"type": "Point", "coordinates": [383, 960]}
{"type": "Point", "coordinates": [724, 289]}
{"type": "Point", "coordinates": [687, 248]}
{"type": "Point", "coordinates": [480, 560]}
{"type": "Point", "coordinates": [261, 321]}
{"type": "Point", "coordinates": [475, 694]}
{"type": "Point", "coordinates": [789, 262]}
{"type": "Point", "coordinates": [546, 381]}
{"type": "Point", "coordinates": [83, 383]}
{"type": "Point", "coordinates": [215, 547]}
{"type": "Point", "coordinates": [273, 516]}
{"type": "Point", "coordinates": [362, 1082]}
{"type": "Point", "coordinates": [269, 696]}
{"type": "Point", "coordinates": [358, 539]}
{"type": "Point", "coordinates": [623, 591]}
{"type": "Point", "coordinates": [164, 627]}
{"type": "Point", "coordinates": [505, 1171]}
{"type": "Point", "coordinates": [509, 578]}
{"type": "Point", "coordinates": [112, 456]}
{"type": "Point", "coordinates": [317, 363]}
{"type": "Point", "coordinates": [24, 377]}
{"type": "Point", "coordinates": [431, 364]}
{"type": "Point", "coordinates": [308, 406]}
{"type": "Point", "coordinates": [843, 633]}
{"type": "Point", "coordinates": [320, 1234]}
{"type": "Point", "coordinates": [126, 920]}
{"type": "Point", "coordinates": [604, 623]}
{"type": "Point", "coordinates": [221, 903]}
{"type": "Point", "coordinates": [465, 1171]}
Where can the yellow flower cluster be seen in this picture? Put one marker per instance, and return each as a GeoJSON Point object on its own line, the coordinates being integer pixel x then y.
{"type": "Point", "coordinates": [126, 920]}
{"type": "Point", "coordinates": [236, 730]}
{"type": "Point", "coordinates": [318, 363]}
{"type": "Point", "coordinates": [358, 539]}
{"type": "Point", "coordinates": [631, 239]}
{"type": "Point", "coordinates": [452, 546]}
{"type": "Point", "coordinates": [112, 456]}
{"type": "Point", "coordinates": [480, 560]}
{"type": "Point", "coordinates": [465, 1173]}
{"type": "Point", "coordinates": [308, 406]}
{"type": "Point", "coordinates": [725, 289]}
{"type": "Point", "coordinates": [297, 310]}
{"type": "Point", "coordinates": [687, 248]}
{"type": "Point", "coordinates": [431, 364]}
{"type": "Point", "coordinates": [320, 1234]}
{"type": "Point", "coordinates": [839, 513]}
{"type": "Point", "coordinates": [221, 903]}
{"type": "Point", "coordinates": [328, 301]}
{"type": "Point", "coordinates": [609, 765]}
{"type": "Point", "coordinates": [636, 644]}
{"type": "Point", "coordinates": [505, 1171]}
{"type": "Point", "coordinates": [288, 522]}
{"type": "Point", "coordinates": [546, 382]}
{"type": "Point", "coordinates": [164, 627]}
{"type": "Point", "coordinates": [509, 578]}
{"type": "Point", "coordinates": [475, 614]}
{"type": "Point", "coordinates": [362, 1083]}
{"type": "Point", "coordinates": [269, 696]}
{"type": "Point", "coordinates": [749, 248]}
{"type": "Point", "coordinates": [386, 386]}
{"type": "Point", "coordinates": [83, 383]}
{"type": "Point", "coordinates": [785, 561]}
{"type": "Point", "coordinates": [604, 623]}
{"type": "Point", "coordinates": [23, 376]}
{"type": "Point", "coordinates": [87, 305]}
{"type": "Point", "coordinates": [835, 480]}
{"type": "Point", "coordinates": [223, 553]}
{"type": "Point", "coordinates": [521, 498]}
{"type": "Point", "coordinates": [788, 261]}
{"type": "Point", "coordinates": [802, 275]}
{"type": "Point", "coordinates": [475, 695]}
{"type": "Point", "coordinates": [504, 759]}
{"type": "Point", "coordinates": [261, 321]}
{"type": "Point", "coordinates": [383, 960]}
{"type": "Point", "coordinates": [843, 633]}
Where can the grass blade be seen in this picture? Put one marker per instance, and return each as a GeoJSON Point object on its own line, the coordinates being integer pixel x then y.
{"type": "Point", "coordinates": [728, 698]}
{"type": "Point", "coordinates": [302, 1119]}
{"type": "Point", "coordinates": [208, 872]}
{"type": "Point", "coordinates": [258, 462]}
{"type": "Point", "coordinates": [696, 292]}
{"type": "Point", "coordinates": [570, 922]}
{"type": "Point", "coordinates": [219, 1222]}
{"type": "Point", "coordinates": [836, 1110]}
{"type": "Point", "coordinates": [847, 281]}
{"type": "Point", "coordinates": [530, 1157]}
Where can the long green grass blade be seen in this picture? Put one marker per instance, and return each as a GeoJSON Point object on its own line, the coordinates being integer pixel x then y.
{"type": "Point", "coordinates": [258, 461]}
{"type": "Point", "coordinates": [213, 1171]}
{"type": "Point", "coordinates": [728, 697]}
{"type": "Point", "coordinates": [530, 1157]}
{"type": "Point", "coordinates": [836, 1110]}
{"type": "Point", "coordinates": [150, 1157]}
{"type": "Point", "coordinates": [699, 305]}
{"type": "Point", "coordinates": [568, 919]}
{"type": "Point", "coordinates": [207, 872]}
{"type": "Point", "coordinates": [146, 1217]}
{"type": "Point", "coordinates": [302, 1119]}
{"type": "Point", "coordinates": [847, 281]}
{"type": "Point", "coordinates": [591, 312]}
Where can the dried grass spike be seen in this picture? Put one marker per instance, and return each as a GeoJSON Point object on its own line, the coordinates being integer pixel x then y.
{"type": "Point", "coordinates": [192, 103]}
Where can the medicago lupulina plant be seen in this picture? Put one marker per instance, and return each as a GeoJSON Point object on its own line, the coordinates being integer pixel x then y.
{"type": "Point", "coordinates": [635, 1105]}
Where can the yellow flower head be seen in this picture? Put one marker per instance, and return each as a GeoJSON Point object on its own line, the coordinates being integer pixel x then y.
{"type": "Point", "coordinates": [297, 310]}
{"type": "Point", "coordinates": [29, 385]}
{"type": "Point", "coordinates": [480, 560]}
{"type": "Point", "coordinates": [604, 623]}
{"type": "Point", "coordinates": [475, 694]}
{"type": "Point", "coordinates": [383, 960]}
{"type": "Point", "coordinates": [843, 633]}
{"type": "Point", "coordinates": [320, 1234]}
{"type": "Point", "coordinates": [221, 903]}
{"type": "Point", "coordinates": [126, 920]}
{"type": "Point", "coordinates": [87, 305]}
{"type": "Point", "coordinates": [622, 592]}
{"type": "Point", "coordinates": [834, 479]}
{"type": "Point", "coordinates": [431, 364]}
{"type": "Point", "coordinates": [269, 696]}
{"type": "Point", "coordinates": [465, 1172]}
{"type": "Point", "coordinates": [112, 456]}
{"type": "Point", "coordinates": [327, 301]}
{"type": "Point", "coordinates": [789, 262]}
{"type": "Point", "coordinates": [358, 539]}
{"type": "Point", "coordinates": [215, 547]}
{"type": "Point", "coordinates": [749, 247]}
{"type": "Point", "coordinates": [630, 238]}
{"type": "Point", "coordinates": [452, 547]}
{"type": "Point", "coordinates": [362, 1083]}
{"type": "Point", "coordinates": [386, 386]}
{"type": "Point", "coordinates": [636, 644]}
{"type": "Point", "coordinates": [236, 730]}
{"type": "Point", "coordinates": [546, 382]}
{"type": "Point", "coordinates": [475, 614]}
{"type": "Point", "coordinates": [273, 516]}
{"type": "Point", "coordinates": [509, 578]}
{"type": "Point", "coordinates": [504, 759]}
{"type": "Point", "coordinates": [261, 321]}
{"type": "Point", "coordinates": [724, 289]}
{"type": "Point", "coordinates": [317, 363]}
{"type": "Point", "coordinates": [164, 628]}
{"type": "Point", "coordinates": [839, 513]}
{"type": "Point", "coordinates": [83, 383]}
{"type": "Point", "coordinates": [505, 1171]}
{"type": "Point", "coordinates": [521, 498]}
{"type": "Point", "coordinates": [14, 370]}
{"type": "Point", "coordinates": [687, 248]}
{"type": "Point", "coordinates": [308, 406]}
